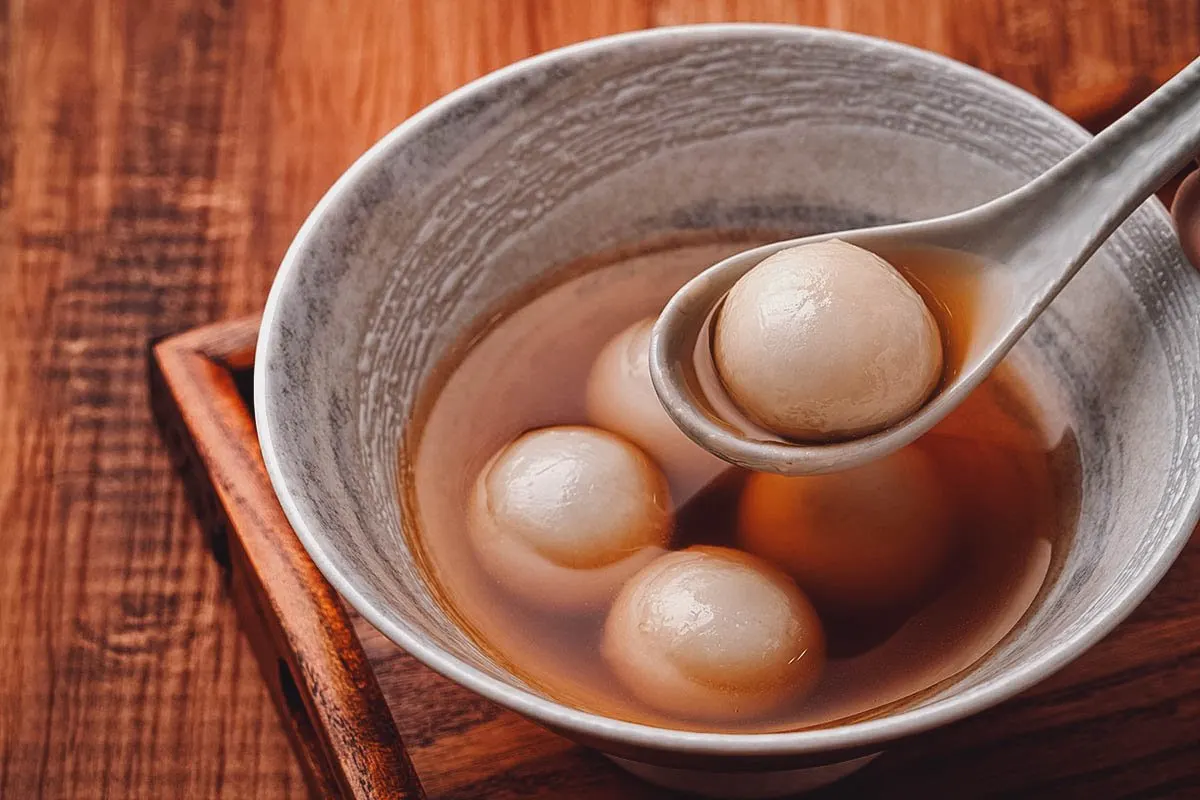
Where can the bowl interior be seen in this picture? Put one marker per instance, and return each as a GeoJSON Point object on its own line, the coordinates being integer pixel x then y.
{"type": "Point", "coordinates": [486, 194]}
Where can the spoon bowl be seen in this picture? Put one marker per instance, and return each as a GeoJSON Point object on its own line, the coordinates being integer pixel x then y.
{"type": "Point", "coordinates": [1018, 250]}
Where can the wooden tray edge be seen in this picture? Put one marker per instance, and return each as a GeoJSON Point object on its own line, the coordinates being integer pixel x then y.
{"type": "Point", "coordinates": [311, 659]}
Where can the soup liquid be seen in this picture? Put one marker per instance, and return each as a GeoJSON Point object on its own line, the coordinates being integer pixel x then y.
{"type": "Point", "coordinates": [1008, 469]}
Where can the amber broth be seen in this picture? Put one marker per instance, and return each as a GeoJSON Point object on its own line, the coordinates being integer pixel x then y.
{"type": "Point", "coordinates": [1008, 465]}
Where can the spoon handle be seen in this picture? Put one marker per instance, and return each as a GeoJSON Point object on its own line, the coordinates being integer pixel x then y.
{"type": "Point", "coordinates": [1052, 225]}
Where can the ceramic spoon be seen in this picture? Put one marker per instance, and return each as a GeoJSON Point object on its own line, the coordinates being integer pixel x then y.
{"type": "Point", "coordinates": [1024, 246]}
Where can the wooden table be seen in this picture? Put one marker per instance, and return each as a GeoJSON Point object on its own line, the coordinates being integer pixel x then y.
{"type": "Point", "coordinates": [155, 159]}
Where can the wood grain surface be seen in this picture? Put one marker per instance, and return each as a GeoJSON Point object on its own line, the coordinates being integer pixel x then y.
{"type": "Point", "coordinates": [155, 159]}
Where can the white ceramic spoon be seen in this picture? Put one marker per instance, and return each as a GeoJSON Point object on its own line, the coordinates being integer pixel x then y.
{"type": "Point", "coordinates": [1024, 246]}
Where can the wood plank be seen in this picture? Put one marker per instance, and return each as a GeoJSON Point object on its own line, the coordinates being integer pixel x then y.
{"type": "Point", "coordinates": [125, 673]}
{"type": "Point", "coordinates": [155, 160]}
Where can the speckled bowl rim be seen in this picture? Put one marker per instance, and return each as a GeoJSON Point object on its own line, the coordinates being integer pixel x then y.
{"type": "Point", "coordinates": [854, 736]}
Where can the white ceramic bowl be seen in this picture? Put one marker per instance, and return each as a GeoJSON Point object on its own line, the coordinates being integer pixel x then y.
{"type": "Point", "coordinates": [636, 137]}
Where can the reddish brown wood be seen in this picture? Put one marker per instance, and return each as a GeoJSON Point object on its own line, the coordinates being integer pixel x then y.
{"type": "Point", "coordinates": [155, 160]}
{"type": "Point", "coordinates": [1121, 719]}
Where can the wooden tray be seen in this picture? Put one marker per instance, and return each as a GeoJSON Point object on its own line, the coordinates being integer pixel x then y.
{"type": "Point", "coordinates": [1124, 718]}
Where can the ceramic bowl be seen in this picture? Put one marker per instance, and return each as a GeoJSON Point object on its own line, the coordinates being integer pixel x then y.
{"type": "Point", "coordinates": [638, 137]}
